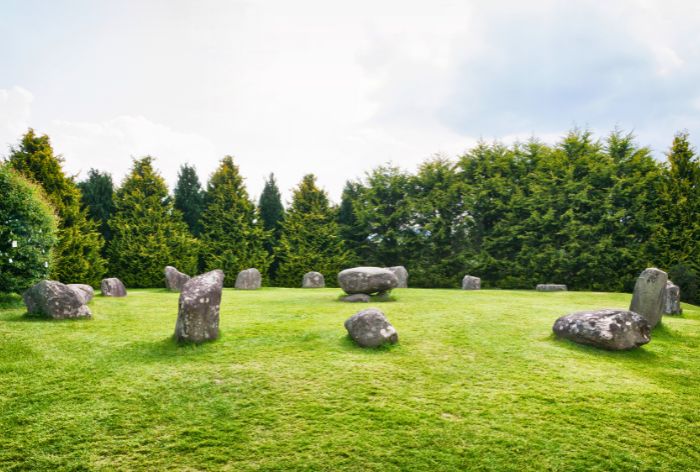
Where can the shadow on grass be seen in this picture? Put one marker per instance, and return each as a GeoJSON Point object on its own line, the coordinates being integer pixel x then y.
{"type": "Point", "coordinates": [637, 354]}
{"type": "Point", "coordinates": [39, 318]}
{"type": "Point", "coordinates": [348, 344]}
{"type": "Point", "coordinates": [162, 350]}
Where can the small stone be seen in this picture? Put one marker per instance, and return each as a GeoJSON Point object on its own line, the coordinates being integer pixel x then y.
{"type": "Point", "coordinates": [648, 296]}
{"type": "Point", "coordinates": [112, 287]}
{"type": "Point", "coordinates": [469, 282]}
{"type": "Point", "coordinates": [611, 329]}
{"type": "Point", "coordinates": [55, 300]}
{"type": "Point", "coordinates": [370, 328]}
{"type": "Point", "coordinates": [551, 288]}
{"type": "Point", "coordinates": [672, 299]}
{"type": "Point", "coordinates": [313, 280]}
{"type": "Point", "coordinates": [198, 310]}
{"type": "Point", "coordinates": [174, 279]}
{"type": "Point", "coordinates": [249, 279]}
{"type": "Point", "coordinates": [356, 298]}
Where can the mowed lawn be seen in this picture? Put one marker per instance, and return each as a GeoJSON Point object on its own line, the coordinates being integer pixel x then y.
{"type": "Point", "coordinates": [477, 382]}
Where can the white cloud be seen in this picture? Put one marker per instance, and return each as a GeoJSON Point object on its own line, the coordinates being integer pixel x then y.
{"type": "Point", "coordinates": [15, 113]}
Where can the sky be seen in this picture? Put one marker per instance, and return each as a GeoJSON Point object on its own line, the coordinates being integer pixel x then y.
{"type": "Point", "coordinates": [336, 88]}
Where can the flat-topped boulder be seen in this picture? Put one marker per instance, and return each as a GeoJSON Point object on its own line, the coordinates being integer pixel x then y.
{"type": "Point", "coordinates": [648, 296]}
{"type": "Point", "coordinates": [367, 280]}
{"type": "Point", "coordinates": [174, 279]}
{"type": "Point", "coordinates": [672, 299]}
{"type": "Point", "coordinates": [313, 280]}
{"type": "Point", "coordinates": [83, 290]}
{"type": "Point", "coordinates": [613, 329]}
{"type": "Point", "coordinates": [469, 282]}
{"type": "Point", "coordinates": [55, 300]}
{"type": "Point", "coordinates": [370, 328]}
{"type": "Point", "coordinates": [112, 287]}
{"type": "Point", "coordinates": [198, 309]}
{"type": "Point", "coordinates": [551, 288]}
{"type": "Point", "coordinates": [356, 298]}
{"type": "Point", "coordinates": [249, 279]}
{"type": "Point", "coordinates": [401, 275]}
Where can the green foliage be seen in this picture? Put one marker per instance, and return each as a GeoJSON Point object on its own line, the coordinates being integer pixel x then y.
{"type": "Point", "coordinates": [271, 215]}
{"type": "Point", "coordinates": [77, 256]}
{"type": "Point", "coordinates": [353, 235]}
{"type": "Point", "coordinates": [232, 234]}
{"type": "Point", "coordinates": [310, 239]}
{"type": "Point", "coordinates": [148, 233]}
{"type": "Point", "coordinates": [688, 280]}
{"type": "Point", "coordinates": [189, 198]}
{"type": "Point", "coordinates": [28, 229]}
{"type": "Point", "coordinates": [97, 195]}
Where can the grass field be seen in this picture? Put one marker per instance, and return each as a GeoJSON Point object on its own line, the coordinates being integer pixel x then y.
{"type": "Point", "coordinates": [476, 382]}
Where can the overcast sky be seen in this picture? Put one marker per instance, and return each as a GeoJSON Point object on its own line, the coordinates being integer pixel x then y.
{"type": "Point", "coordinates": [336, 88]}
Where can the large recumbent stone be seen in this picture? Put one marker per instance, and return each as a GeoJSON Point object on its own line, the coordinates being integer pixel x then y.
{"type": "Point", "coordinates": [367, 280]}
{"type": "Point", "coordinates": [612, 329]}
{"type": "Point", "coordinates": [55, 300]}
{"type": "Point", "coordinates": [198, 309]}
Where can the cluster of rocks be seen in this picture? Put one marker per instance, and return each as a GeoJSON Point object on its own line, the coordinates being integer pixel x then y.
{"type": "Point", "coordinates": [361, 282]}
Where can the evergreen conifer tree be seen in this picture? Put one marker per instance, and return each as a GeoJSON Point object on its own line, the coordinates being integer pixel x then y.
{"type": "Point", "coordinates": [147, 232]}
{"type": "Point", "coordinates": [189, 198]}
{"type": "Point", "coordinates": [97, 195]}
{"type": "Point", "coordinates": [232, 234]}
{"type": "Point", "coordinates": [272, 215]}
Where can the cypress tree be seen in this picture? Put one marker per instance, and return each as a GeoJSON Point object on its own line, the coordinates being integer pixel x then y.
{"type": "Point", "coordinates": [189, 198]}
{"type": "Point", "coordinates": [310, 239]}
{"type": "Point", "coordinates": [354, 235]}
{"type": "Point", "coordinates": [147, 232]}
{"type": "Point", "coordinates": [77, 256]}
{"type": "Point", "coordinates": [232, 234]}
{"type": "Point", "coordinates": [272, 215]}
{"type": "Point", "coordinates": [97, 195]}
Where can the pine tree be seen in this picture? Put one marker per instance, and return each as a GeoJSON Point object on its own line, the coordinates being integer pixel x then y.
{"type": "Point", "coordinates": [189, 198]}
{"type": "Point", "coordinates": [232, 235]}
{"type": "Point", "coordinates": [147, 232]}
{"type": "Point", "coordinates": [354, 235]}
{"type": "Point", "coordinates": [77, 256]}
{"type": "Point", "coordinates": [97, 195]}
{"type": "Point", "coordinates": [272, 215]}
{"type": "Point", "coordinates": [310, 239]}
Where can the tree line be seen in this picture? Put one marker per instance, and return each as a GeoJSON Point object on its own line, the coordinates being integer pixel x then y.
{"type": "Point", "coordinates": [590, 213]}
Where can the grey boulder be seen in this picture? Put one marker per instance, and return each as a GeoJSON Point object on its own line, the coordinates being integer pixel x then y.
{"type": "Point", "coordinates": [198, 309]}
{"type": "Point", "coordinates": [648, 296]}
{"type": "Point", "coordinates": [612, 329]}
{"type": "Point", "coordinates": [551, 288]}
{"type": "Point", "coordinates": [367, 280]}
{"type": "Point", "coordinates": [356, 298]}
{"type": "Point", "coordinates": [469, 282]}
{"type": "Point", "coordinates": [313, 280]}
{"type": "Point", "coordinates": [401, 275]}
{"type": "Point", "coordinates": [174, 279]}
{"type": "Point", "coordinates": [370, 328]}
{"type": "Point", "coordinates": [55, 300]}
{"type": "Point", "coordinates": [672, 299]}
{"type": "Point", "coordinates": [112, 287]}
{"type": "Point", "coordinates": [249, 279]}
{"type": "Point", "coordinates": [83, 290]}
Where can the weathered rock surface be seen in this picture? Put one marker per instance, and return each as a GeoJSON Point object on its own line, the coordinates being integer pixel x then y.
{"type": "Point", "coordinates": [370, 328]}
{"type": "Point", "coordinates": [551, 288]}
{"type": "Point", "coordinates": [198, 312]}
{"type": "Point", "coordinates": [469, 282]}
{"type": "Point", "coordinates": [356, 298]}
{"type": "Point", "coordinates": [83, 290]}
{"type": "Point", "coordinates": [112, 287]}
{"type": "Point", "coordinates": [249, 279]}
{"type": "Point", "coordinates": [613, 329]}
{"type": "Point", "coordinates": [367, 280]}
{"type": "Point", "coordinates": [313, 280]}
{"type": "Point", "coordinates": [648, 296]}
{"type": "Point", "coordinates": [55, 300]}
{"type": "Point", "coordinates": [174, 279]}
{"type": "Point", "coordinates": [672, 299]}
{"type": "Point", "coordinates": [401, 275]}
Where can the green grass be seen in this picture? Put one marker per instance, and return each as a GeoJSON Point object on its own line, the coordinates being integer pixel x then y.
{"type": "Point", "coordinates": [476, 382]}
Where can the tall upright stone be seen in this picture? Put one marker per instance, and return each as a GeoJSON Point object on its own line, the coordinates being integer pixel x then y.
{"type": "Point", "coordinates": [672, 299]}
{"type": "Point", "coordinates": [401, 275]}
{"type": "Point", "coordinates": [174, 279]}
{"type": "Point", "coordinates": [249, 279]}
{"type": "Point", "coordinates": [648, 297]}
{"type": "Point", "coordinates": [469, 282]}
{"type": "Point", "coordinates": [198, 310]}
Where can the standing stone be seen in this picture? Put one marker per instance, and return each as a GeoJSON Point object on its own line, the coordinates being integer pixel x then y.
{"type": "Point", "coordinates": [313, 280]}
{"type": "Point", "coordinates": [367, 280]}
{"type": "Point", "coordinates": [174, 279]}
{"type": "Point", "coordinates": [469, 282]}
{"type": "Point", "coordinates": [648, 297]}
{"type": "Point", "coordinates": [551, 288]}
{"type": "Point", "coordinates": [112, 287]}
{"type": "Point", "coordinates": [608, 329]}
{"type": "Point", "coordinates": [198, 312]}
{"type": "Point", "coordinates": [370, 328]}
{"type": "Point", "coordinates": [55, 300]}
{"type": "Point", "coordinates": [249, 279]}
{"type": "Point", "coordinates": [672, 299]}
{"type": "Point", "coordinates": [85, 291]}
{"type": "Point", "coordinates": [401, 275]}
